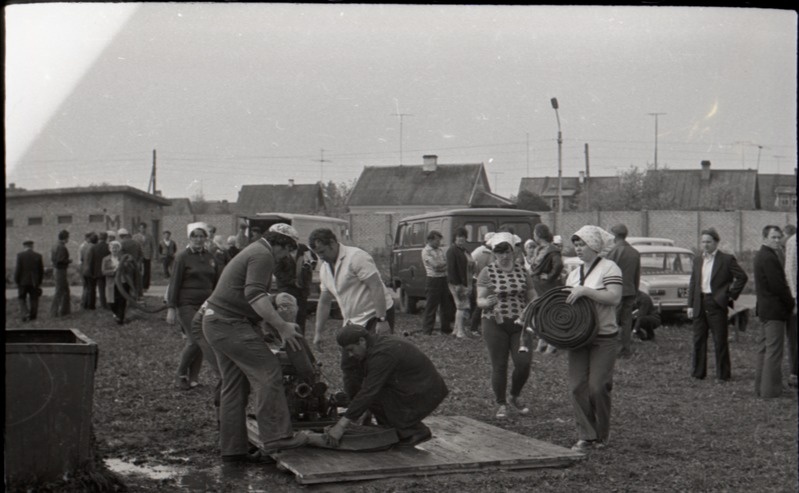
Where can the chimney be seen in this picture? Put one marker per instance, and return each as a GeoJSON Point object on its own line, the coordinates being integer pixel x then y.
{"type": "Point", "coordinates": [705, 171]}
{"type": "Point", "coordinates": [429, 163]}
{"type": "Point", "coordinates": [581, 177]}
{"type": "Point", "coordinates": [291, 182]}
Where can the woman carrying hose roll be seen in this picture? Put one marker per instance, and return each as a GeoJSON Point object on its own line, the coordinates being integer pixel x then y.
{"type": "Point", "coordinates": [504, 287]}
{"type": "Point", "coordinates": [591, 366]}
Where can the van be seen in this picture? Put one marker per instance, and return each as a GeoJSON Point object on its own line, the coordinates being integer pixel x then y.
{"type": "Point", "coordinates": [304, 224]}
{"type": "Point", "coordinates": [407, 270]}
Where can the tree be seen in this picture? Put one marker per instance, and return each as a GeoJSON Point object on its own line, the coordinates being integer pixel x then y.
{"type": "Point", "coordinates": [530, 201]}
{"type": "Point", "coordinates": [634, 190]}
{"type": "Point", "coordinates": [336, 195]}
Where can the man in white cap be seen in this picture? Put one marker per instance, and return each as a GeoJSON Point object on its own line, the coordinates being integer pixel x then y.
{"type": "Point", "coordinates": [231, 324]}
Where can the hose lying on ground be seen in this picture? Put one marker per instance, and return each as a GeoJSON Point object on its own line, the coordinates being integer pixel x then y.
{"type": "Point", "coordinates": [126, 276]}
{"type": "Point", "coordinates": [564, 325]}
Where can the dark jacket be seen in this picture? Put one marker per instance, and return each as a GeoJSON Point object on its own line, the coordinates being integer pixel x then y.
{"type": "Point", "coordinates": [457, 266]}
{"type": "Point", "coordinates": [629, 261]}
{"type": "Point", "coordinates": [30, 269]}
{"type": "Point", "coordinates": [132, 248]}
{"type": "Point", "coordinates": [94, 259]}
{"type": "Point", "coordinates": [726, 282]}
{"type": "Point", "coordinates": [774, 299]}
{"type": "Point", "coordinates": [60, 255]}
{"type": "Point", "coordinates": [550, 266]}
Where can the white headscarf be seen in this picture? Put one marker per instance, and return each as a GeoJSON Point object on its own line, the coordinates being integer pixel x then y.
{"type": "Point", "coordinates": [199, 225]}
{"type": "Point", "coordinates": [596, 238]}
{"type": "Point", "coordinates": [503, 237]}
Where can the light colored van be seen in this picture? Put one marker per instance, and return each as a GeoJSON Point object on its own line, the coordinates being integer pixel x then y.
{"type": "Point", "coordinates": [407, 270]}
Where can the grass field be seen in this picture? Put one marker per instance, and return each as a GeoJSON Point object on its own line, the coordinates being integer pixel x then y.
{"type": "Point", "coordinates": [669, 432]}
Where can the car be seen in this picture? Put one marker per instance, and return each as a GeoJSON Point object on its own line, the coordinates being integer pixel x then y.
{"type": "Point", "coordinates": [666, 270]}
{"type": "Point", "coordinates": [665, 275]}
{"type": "Point", "coordinates": [649, 240]}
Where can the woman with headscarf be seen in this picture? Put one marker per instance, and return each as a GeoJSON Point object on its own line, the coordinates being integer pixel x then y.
{"type": "Point", "coordinates": [194, 276]}
{"type": "Point", "coordinates": [591, 366]}
{"type": "Point", "coordinates": [504, 288]}
{"type": "Point", "coordinates": [545, 267]}
{"type": "Point", "coordinates": [115, 300]}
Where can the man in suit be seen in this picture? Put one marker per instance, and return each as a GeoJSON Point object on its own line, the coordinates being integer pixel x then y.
{"type": "Point", "coordinates": [716, 281]}
{"type": "Point", "coordinates": [28, 275]}
{"type": "Point", "coordinates": [94, 258]}
{"type": "Point", "coordinates": [774, 307]}
{"type": "Point", "coordinates": [629, 261]}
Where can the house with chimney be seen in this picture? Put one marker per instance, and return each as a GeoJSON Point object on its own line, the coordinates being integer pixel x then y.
{"type": "Point", "coordinates": [292, 197]}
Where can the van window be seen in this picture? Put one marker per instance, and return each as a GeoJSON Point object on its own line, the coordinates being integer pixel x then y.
{"type": "Point", "coordinates": [416, 234]}
{"type": "Point", "coordinates": [434, 225]}
{"type": "Point", "coordinates": [400, 239]}
{"type": "Point", "coordinates": [477, 231]}
{"type": "Point", "coordinates": [521, 229]}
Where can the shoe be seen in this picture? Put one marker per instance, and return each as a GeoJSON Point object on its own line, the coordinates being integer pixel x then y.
{"type": "Point", "coordinates": [599, 444]}
{"type": "Point", "coordinates": [256, 457]}
{"type": "Point", "coordinates": [551, 350]}
{"type": "Point", "coordinates": [298, 440]}
{"type": "Point", "coordinates": [502, 412]}
{"type": "Point", "coordinates": [583, 445]}
{"type": "Point", "coordinates": [542, 346]}
{"type": "Point", "coordinates": [183, 383]}
{"type": "Point", "coordinates": [417, 438]}
{"type": "Point", "coordinates": [519, 406]}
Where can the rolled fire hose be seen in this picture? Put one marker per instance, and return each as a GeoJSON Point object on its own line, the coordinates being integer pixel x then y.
{"type": "Point", "coordinates": [561, 324]}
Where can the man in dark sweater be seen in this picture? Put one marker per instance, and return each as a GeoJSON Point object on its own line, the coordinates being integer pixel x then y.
{"type": "Point", "coordinates": [60, 258]}
{"type": "Point", "coordinates": [459, 278]}
{"type": "Point", "coordinates": [629, 261]}
{"type": "Point", "coordinates": [231, 324]}
{"type": "Point", "coordinates": [400, 386]}
{"type": "Point", "coordinates": [28, 275]}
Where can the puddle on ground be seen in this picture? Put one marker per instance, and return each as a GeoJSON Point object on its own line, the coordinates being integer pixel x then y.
{"type": "Point", "coordinates": [191, 479]}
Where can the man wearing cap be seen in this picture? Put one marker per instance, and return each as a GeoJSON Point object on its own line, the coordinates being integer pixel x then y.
{"type": "Point", "coordinates": [716, 281]}
{"type": "Point", "coordinates": [629, 261]}
{"type": "Point", "coordinates": [350, 275]}
{"type": "Point", "coordinates": [147, 244]}
{"type": "Point", "coordinates": [238, 305]}
{"type": "Point", "coordinates": [60, 258]}
{"type": "Point", "coordinates": [132, 248]}
{"type": "Point", "coordinates": [28, 275]}
{"type": "Point", "coordinates": [88, 298]}
{"type": "Point", "coordinates": [400, 385]}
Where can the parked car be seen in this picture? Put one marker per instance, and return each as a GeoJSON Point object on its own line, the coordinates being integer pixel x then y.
{"type": "Point", "coordinates": [649, 240]}
{"type": "Point", "coordinates": [667, 272]}
{"type": "Point", "coordinates": [407, 270]}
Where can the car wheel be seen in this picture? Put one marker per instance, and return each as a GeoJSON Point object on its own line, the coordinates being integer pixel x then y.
{"type": "Point", "coordinates": [407, 304]}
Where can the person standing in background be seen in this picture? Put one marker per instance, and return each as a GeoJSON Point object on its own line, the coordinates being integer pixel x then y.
{"type": "Point", "coordinates": [28, 276]}
{"type": "Point", "coordinates": [629, 261]}
{"type": "Point", "coordinates": [60, 258]}
{"type": "Point", "coordinates": [232, 249]}
{"type": "Point", "coordinates": [88, 298]}
{"type": "Point", "coordinates": [167, 249]}
{"type": "Point", "coordinates": [95, 260]}
{"type": "Point", "coordinates": [147, 243]}
{"type": "Point", "coordinates": [436, 290]}
{"type": "Point", "coordinates": [546, 265]}
{"type": "Point", "coordinates": [482, 256]}
{"type": "Point", "coordinates": [774, 307]}
{"type": "Point", "coordinates": [716, 282]}
{"type": "Point", "coordinates": [460, 270]}
{"type": "Point", "coordinates": [790, 328]}
{"type": "Point", "coordinates": [133, 248]}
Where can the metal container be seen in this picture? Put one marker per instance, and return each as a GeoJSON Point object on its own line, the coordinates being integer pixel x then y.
{"type": "Point", "coordinates": [49, 395]}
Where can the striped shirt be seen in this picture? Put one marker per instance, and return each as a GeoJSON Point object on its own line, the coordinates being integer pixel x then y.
{"type": "Point", "coordinates": [604, 274]}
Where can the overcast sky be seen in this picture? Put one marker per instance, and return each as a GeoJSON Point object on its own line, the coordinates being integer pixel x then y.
{"type": "Point", "coordinates": [252, 93]}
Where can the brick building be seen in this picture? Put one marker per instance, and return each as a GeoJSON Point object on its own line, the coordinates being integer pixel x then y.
{"type": "Point", "coordinates": [39, 215]}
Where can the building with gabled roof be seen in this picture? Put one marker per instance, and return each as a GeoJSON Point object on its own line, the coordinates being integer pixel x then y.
{"type": "Point", "coordinates": [299, 199]}
{"type": "Point", "coordinates": [410, 189]}
{"type": "Point", "coordinates": [777, 192]}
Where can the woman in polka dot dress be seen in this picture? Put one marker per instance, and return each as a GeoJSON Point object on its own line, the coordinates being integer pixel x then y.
{"type": "Point", "coordinates": [504, 288]}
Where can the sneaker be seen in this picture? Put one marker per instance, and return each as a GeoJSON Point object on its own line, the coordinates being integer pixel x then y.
{"type": "Point", "coordinates": [298, 440]}
{"type": "Point", "coordinates": [502, 412]}
{"type": "Point", "coordinates": [583, 445]}
{"type": "Point", "coordinates": [519, 406]}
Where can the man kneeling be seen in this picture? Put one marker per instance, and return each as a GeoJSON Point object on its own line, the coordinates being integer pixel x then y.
{"type": "Point", "coordinates": [400, 385]}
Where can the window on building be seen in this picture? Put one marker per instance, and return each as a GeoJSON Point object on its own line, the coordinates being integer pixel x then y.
{"type": "Point", "coordinates": [9, 223]}
{"type": "Point", "coordinates": [64, 219]}
{"type": "Point", "coordinates": [784, 200]}
{"type": "Point", "coordinates": [96, 218]}
{"type": "Point", "coordinates": [34, 221]}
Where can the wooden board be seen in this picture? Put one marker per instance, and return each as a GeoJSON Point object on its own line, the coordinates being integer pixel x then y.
{"type": "Point", "coordinates": [459, 445]}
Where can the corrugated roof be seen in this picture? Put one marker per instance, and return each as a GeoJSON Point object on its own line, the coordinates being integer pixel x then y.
{"type": "Point", "coordinates": [301, 199]}
{"type": "Point", "coordinates": [449, 184]}
{"type": "Point", "coordinates": [725, 189]}
{"type": "Point", "coordinates": [14, 193]}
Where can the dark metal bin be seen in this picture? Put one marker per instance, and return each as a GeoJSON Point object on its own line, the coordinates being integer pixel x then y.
{"type": "Point", "coordinates": [49, 395]}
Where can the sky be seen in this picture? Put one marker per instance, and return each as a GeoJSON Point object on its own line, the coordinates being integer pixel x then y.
{"type": "Point", "coordinates": [234, 94]}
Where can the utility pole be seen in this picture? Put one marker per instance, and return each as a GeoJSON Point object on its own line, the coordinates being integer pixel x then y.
{"type": "Point", "coordinates": [151, 184]}
{"type": "Point", "coordinates": [656, 136]}
{"type": "Point", "coordinates": [401, 116]}
{"type": "Point", "coordinates": [587, 179]}
{"type": "Point", "coordinates": [759, 148]}
{"type": "Point", "coordinates": [322, 161]}
{"type": "Point", "coordinates": [554, 102]}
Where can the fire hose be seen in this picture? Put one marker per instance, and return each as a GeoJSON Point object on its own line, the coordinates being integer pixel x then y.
{"type": "Point", "coordinates": [564, 325]}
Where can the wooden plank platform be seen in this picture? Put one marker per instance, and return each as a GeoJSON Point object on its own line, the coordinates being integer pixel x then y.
{"type": "Point", "coordinates": [459, 445]}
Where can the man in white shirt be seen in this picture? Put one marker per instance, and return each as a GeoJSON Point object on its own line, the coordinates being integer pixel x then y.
{"type": "Point", "coordinates": [350, 276]}
{"type": "Point", "coordinates": [790, 328]}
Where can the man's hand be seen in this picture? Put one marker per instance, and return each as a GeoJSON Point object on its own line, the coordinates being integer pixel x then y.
{"type": "Point", "coordinates": [690, 313]}
{"type": "Point", "coordinates": [382, 328]}
{"type": "Point", "coordinates": [170, 316]}
{"type": "Point", "coordinates": [290, 334]}
{"type": "Point", "coordinates": [335, 432]}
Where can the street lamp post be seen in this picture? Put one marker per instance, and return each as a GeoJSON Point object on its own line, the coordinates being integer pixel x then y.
{"type": "Point", "coordinates": [656, 136]}
{"type": "Point", "coordinates": [554, 102]}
